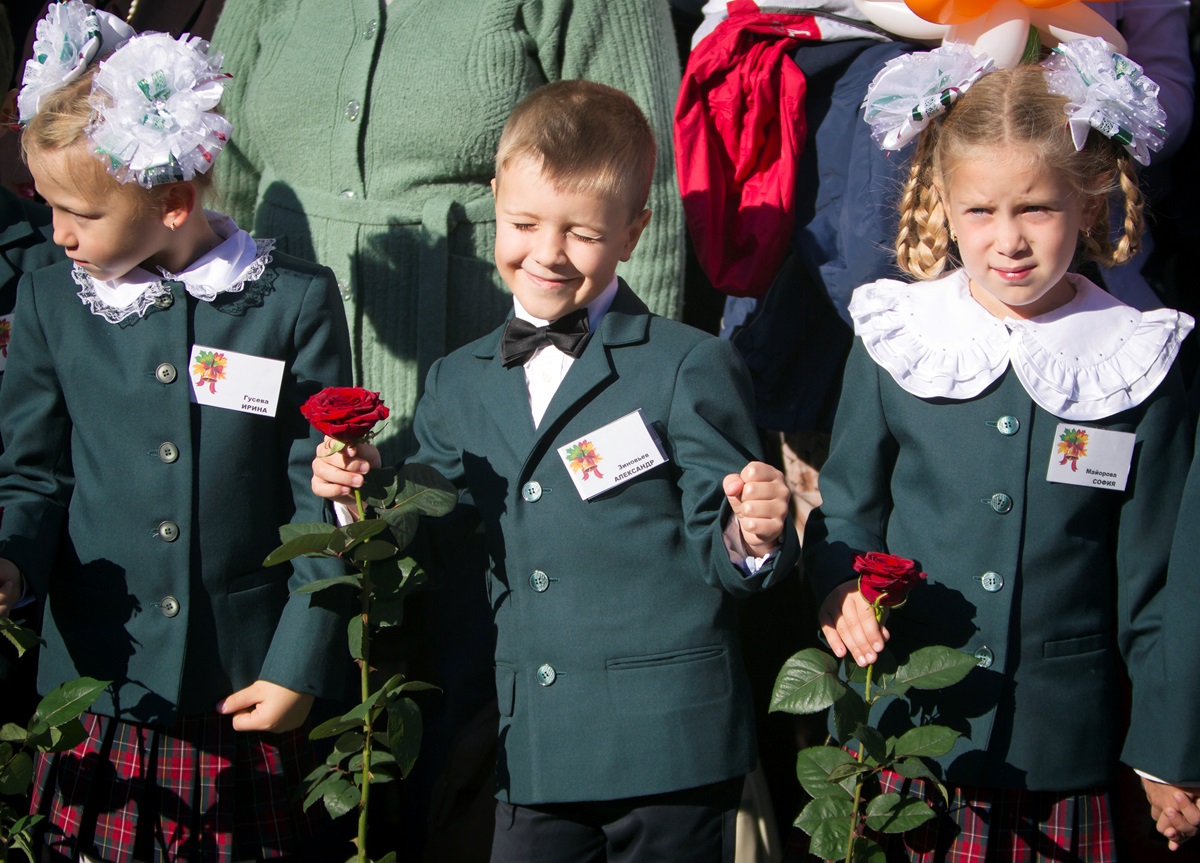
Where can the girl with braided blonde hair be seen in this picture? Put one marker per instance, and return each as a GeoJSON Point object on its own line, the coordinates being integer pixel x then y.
{"type": "Point", "coordinates": [1022, 435]}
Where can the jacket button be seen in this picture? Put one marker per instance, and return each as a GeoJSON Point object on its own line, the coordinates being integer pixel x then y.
{"type": "Point", "coordinates": [992, 581]}
{"type": "Point", "coordinates": [168, 531]}
{"type": "Point", "coordinates": [168, 453]}
{"type": "Point", "coordinates": [352, 109]}
{"type": "Point", "coordinates": [539, 581]}
{"type": "Point", "coordinates": [1001, 503]}
{"type": "Point", "coordinates": [1008, 426]}
{"type": "Point", "coordinates": [344, 290]}
{"type": "Point", "coordinates": [169, 606]}
{"type": "Point", "coordinates": [532, 491]}
{"type": "Point", "coordinates": [546, 675]}
{"type": "Point", "coordinates": [165, 301]}
{"type": "Point", "coordinates": [985, 657]}
{"type": "Point", "coordinates": [369, 32]}
{"type": "Point", "coordinates": [165, 373]}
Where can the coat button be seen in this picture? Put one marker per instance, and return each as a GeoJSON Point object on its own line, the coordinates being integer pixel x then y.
{"type": "Point", "coordinates": [352, 109]}
{"type": "Point", "coordinates": [344, 290]}
{"type": "Point", "coordinates": [169, 606]}
{"type": "Point", "coordinates": [165, 373]}
{"type": "Point", "coordinates": [532, 491]}
{"type": "Point", "coordinates": [168, 453]}
{"type": "Point", "coordinates": [347, 194]}
{"type": "Point", "coordinates": [539, 581]}
{"type": "Point", "coordinates": [165, 301]}
{"type": "Point", "coordinates": [1001, 503]}
{"type": "Point", "coordinates": [168, 531]}
{"type": "Point", "coordinates": [985, 657]}
{"type": "Point", "coordinates": [992, 581]}
{"type": "Point", "coordinates": [369, 32]}
{"type": "Point", "coordinates": [546, 675]}
{"type": "Point", "coordinates": [1008, 426]}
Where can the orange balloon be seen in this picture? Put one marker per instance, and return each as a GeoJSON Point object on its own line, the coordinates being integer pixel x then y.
{"type": "Point", "coordinates": [958, 11]}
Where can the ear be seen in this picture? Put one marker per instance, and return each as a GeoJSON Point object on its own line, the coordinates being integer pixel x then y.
{"type": "Point", "coordinates": [493, 187]}
{"type": "Point", "coordinates": [635, 233]}
{"type": "Point", "coordinates": [178, 202]}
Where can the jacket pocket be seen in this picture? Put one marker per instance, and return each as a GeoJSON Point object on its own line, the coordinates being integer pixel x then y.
{"type": "Point", "coordinates": [1074, 646]}
{"type": "Point", "coordinates": [670, 682]}
{"type": "Point", "coordinates": [506, 685]}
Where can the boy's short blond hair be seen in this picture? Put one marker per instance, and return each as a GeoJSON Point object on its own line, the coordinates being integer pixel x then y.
{"type": "Point", "coordinates": [586, 138]}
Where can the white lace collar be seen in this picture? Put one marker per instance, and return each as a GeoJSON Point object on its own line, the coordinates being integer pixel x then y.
{"type": "Point", "coordinates": [236, 260]}
{"type": "Point", "coordinates": [1089, 359]}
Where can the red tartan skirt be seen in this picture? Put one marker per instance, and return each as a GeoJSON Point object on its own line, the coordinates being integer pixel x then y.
{"type": "Point", "coordinates": [196, 791]}
{"type": "Point", "coordinates": [988, 825]}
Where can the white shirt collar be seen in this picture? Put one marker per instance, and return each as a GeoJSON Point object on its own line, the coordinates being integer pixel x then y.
{"type": "Point", "coordinates": [596, 308]}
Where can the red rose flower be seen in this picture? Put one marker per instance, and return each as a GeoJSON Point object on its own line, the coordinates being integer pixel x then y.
{"type": "Point", "coordinates": [345, 413]}
{"type": "Point", "coordinates": [886, 578]}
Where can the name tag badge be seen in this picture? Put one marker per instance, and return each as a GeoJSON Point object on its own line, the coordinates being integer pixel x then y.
{"type": "Point", "coordinates": [1097, 458]}
{"type": "Point", "coordinates": [612, 455]}
{"type": "Point", "coordinates": [235, 382]}
{"type": "Point", "coordinates": [5, 333]}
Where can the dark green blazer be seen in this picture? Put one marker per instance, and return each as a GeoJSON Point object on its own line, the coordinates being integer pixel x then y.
{"type": "Point", "coordinates": [144, 518]}
{"type": "Point", "coordinates": [1052, 586]}
{"type": "Point", "coordinates": [618, 668]}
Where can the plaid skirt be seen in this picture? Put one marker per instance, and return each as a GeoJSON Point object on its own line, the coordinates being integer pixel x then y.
{"type": "Point", "coordinates": [196, 791]}
{"type": "Point", "coordinates": [987, 825]}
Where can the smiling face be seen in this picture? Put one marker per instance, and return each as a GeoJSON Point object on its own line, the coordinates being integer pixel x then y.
{"type": "Point", "coordinates": [1018, 224]}
{"type": "Point", "coordinates": [105, 229]}
{"type": "Point", "coordinates": [558, 250]}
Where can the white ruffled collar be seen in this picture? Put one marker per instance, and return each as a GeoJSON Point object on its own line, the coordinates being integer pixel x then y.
{"type": "Point", "coordinates": [225, 269]}
{"type": "Point", "coordinates": [1089, 359]}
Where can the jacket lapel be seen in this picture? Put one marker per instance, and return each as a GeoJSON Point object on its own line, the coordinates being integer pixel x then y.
{"type": "Point", "coordinates": [505, 397]}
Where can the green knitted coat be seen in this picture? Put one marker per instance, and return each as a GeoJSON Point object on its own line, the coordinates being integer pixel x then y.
{"type": "Point", "coordinates": [364, 135]}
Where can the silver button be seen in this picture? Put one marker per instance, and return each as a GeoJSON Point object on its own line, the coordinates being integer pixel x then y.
{"type": "Point", "coordinates": [985, 657]}
{"type": "Point", "coordinates": [1008, 426]}
{"type": "Point", "coordinates": [165, 301]}
{"type": "Point", "coordinates": [347, 193]}
{"type": "Point", "coordinates": [992, 581]}
{"type": "Point", "coordinates": [1001, 503]}
{"type": "Point", "coordinates": [539, 581]}
{"type": "Point", "coordinates": [352, 108]}
{"type": "Point", "coordinates": [169, 606]}
{"type": "Point", "coordinates": [344, 290]}
{"type": "Point", "coordinates": [165, 373]}
{"type": "Point", "coordinates": [372, 27]}
{"type": "Point", "coordinates": [168, 453]}
{"type": "Point", "coordinates": [546, 675]}
{"type": "Point", "coordinates": [168, 531]}
{"type": "Point", "coordinates": [532, 491]}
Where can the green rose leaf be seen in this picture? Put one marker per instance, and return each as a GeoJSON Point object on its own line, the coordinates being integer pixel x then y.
{"type": "Point", "coordinates": [849, 712]}
{"type": "Point", "coordinates": [403, 524]}
{"type": "Point", "coordinates": [351, 741]}
{"type": "Point", "coordinates": [404, 733]}
{"type": "Point", "coordinates": [319, 781]}
{"type": "Point", "coordinates": [807, 683]}
{"type": "Point", "coordinates": [13, 733]}
{"type": "Point", "coordinates": [813, 766]}
{"type": "Point", "coordinates": [66, 702]}
{"type": "Point", "coordinates": [297, 530]}
{"type": "Point", "coordinates": [873, 743]}
{"type": "Point", "coordinates": [915, 768]}
{"type": "Point", "coordinates": [425, 490]}
{"type": "Point", "coordinates": [379, 487]}
{"type": "Point", "coordinates": [849, 771]}
{"type": "Point", "coordinates": [323, 583]}
{"type": "Point", "coordinates": [934, 667]}
{"type": "Point", "coordinates": [17, 774]}
{"type": "Point", "coordinates": [867, 850]}
{"type": "Point", "coordinates": [927, 741]}
{"type": "Point", "coordinates": [305, 545]}
{"type": "Point", "coordinates": [341, 796]}
{"type": "Point", "coordinates": [374, 550]}
{"type": "Point", "coordinates": [333, 727]}
{"type": "Point", "coordinates": [828, 822]}
{"type": "Point", "coordinates": [354, 632]}
{"type": "Point", "coordinates": [68, 735]}
{"type": "Point", "coordinates": [18, 636]}
{"type": "Point", "coordinates": [891, 813]}
{"type": "Point", "coordinates": [389, 857]}
{"type": "Point", "coordinates": [360, 531]}
{"type": "Point", "coordinates": [387, 611]}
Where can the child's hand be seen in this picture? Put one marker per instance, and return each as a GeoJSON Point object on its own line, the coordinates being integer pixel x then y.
{"type": "Point", "coordinates": [1174, 810]}
{"type": "Point", "coordinates": [337, 474]}
{"type": "Point", "coordinates": [759, 498]}
{"type": "Point", "coordinates": [266, 706]}
{"type": "Point", "coordinates": [11, 587]}
{"type": "Point", "coordinates": [849, 625]}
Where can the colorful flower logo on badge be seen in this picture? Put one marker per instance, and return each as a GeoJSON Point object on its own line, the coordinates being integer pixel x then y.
{"type": "Point", "coordinates": [998, 28]}
{"type": "Point", "coordinates": [1073, 446]}
{"type": "Point", "coordinates": [5, 334]}
{"type": "Point", "coordinates": [584, 458]}
{"type": "Point", "coordinates": [210, 366]}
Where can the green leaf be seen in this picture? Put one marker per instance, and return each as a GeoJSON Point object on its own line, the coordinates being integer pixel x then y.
{"type": "Point", "coordinates": [807, 683]}
{"type": "Point", "coordinates": [21, 638]}
{"type": "Point", "coordinates": [308, 545]}
{"type": "Point", "coordinates": [13, 732]}
{"type": "Point", "coordinates": [17, 774]}
{"type": "Point", "coordinates": [403, 524]}
{"type": "Point", "coordinates": [404, 733]}
{"type": "Point", "coordinates": [873, 743]}
{"type": "Point", "coordinates": [849, 712]}
{"type": "Point", "coordinates": [813, 766]}
{"type": "Point", "coordinates": [867, 850]}
{"type": "Point", "coordinates": [66, 702]}
{"type": "Point", "coordinates": [927, 741]}
{"type": "Point", "coordinates": [299, 529]}
{"type": "Point", "coordinates": [360, 531]}
{"type": "Point", "coordinates": [323, 583]}
{"type": "Point", "coordinates": [379, 487]}
{"type": "Point", "coordinates": [374, 550]}
{"type": "Point", "coordinates": [389, 857]}
{"type": "Point", "coordinates": [354, 634]}
{"type": "Point", "coordinates": [387, 611]}
{"type": "Point", "coordinates": [426, 491]}
{"type": "Point", "coordinates": [935, 667]}
{"type": "Point", "coordinates": [68, 735]}
{"type": "Point", "coordinates": [849, 771]}
{"type": "Point", "coordinates": [891, 813]}
{"type": "Point", "coordinates": [351, 741]}
{"type": "Point", "coordinates": [333, 727]}
{"type": "Point", "coordinates": [341, 797]}
{"type": "Point", "coordinates": [319, 781]}
{"type": "Point", "coordinates": [915, 768]}
{"type": "Point", "coordinates": [828, 821]}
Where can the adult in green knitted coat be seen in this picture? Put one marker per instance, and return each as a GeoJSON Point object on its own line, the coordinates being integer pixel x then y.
{"type": "Point", "coordinates": [365, 137]}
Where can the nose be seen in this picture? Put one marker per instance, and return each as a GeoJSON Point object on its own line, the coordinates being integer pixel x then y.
{"type": "Point", "coordinates": [63, 236]}
{"type": "Point", "coordinates": [1010, 239]}
{"type": "Point", "coordinates": [549, 248]}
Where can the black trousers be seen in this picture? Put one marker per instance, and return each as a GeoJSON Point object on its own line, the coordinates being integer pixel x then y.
{"type": "Point", "coordinates": [695, 825]}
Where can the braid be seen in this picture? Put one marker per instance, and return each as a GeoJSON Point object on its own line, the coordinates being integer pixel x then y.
{"type": "Point", "coordinates": [923, 239]}
{"type": "Point", "coordinates": [1131, 236]}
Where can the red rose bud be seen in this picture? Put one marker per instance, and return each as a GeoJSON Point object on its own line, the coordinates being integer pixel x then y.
{"type": "Point", "coordinates": [345, 413]}
{"type": "Point", "coordinates": [886, 578]}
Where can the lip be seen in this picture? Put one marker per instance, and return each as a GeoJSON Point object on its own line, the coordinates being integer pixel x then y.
{"type": "Point", "coordinates": [548, 284]}
{"type": "Point", "coordinates": [1013, 274]}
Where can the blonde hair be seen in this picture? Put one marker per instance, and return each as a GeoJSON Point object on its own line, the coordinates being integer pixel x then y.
{"type": "Point", "coordinates": [61, 123]}
{"type": "Point", "coordinates": [586, 138]}
{"type": "Point", "coordinates": [1012, 107]}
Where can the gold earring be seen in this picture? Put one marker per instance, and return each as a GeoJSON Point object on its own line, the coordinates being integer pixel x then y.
{"type": "Point", "coordinates": [953, 236]}
{"type": "Point", "coordinates": [172, 225]}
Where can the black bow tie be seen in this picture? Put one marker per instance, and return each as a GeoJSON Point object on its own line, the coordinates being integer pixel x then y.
{"type": "Point", "coordinates": [521, 338]}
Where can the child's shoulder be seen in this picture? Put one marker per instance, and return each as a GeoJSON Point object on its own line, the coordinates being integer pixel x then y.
{"type": "Point", "coordinates": [25, 233]}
